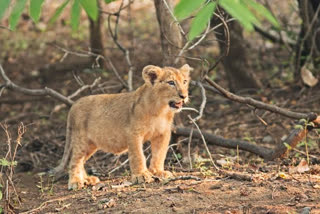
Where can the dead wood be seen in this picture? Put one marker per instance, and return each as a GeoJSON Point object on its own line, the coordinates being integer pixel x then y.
{"type": "Point", "coordinates": [211, 139]}
{"type": "Point", "coordinates": [183, 178]}
{"type": "Point", "coordinates": [296, 135]}
{"type": "Point", "coordinates": [33, 92]}
{"type": "Point", "coordinates": [236, 176]}
{"type": "Point", "coordinates": [268, 154]}
{"type": "Point", "coordinates": [8, 84]}
{"type": "Point", "coordinates": [21, 117]}
{"type": "Point", "coordinates": [261, 105]}
{"type": "Point", "coordinates": [20, 101]}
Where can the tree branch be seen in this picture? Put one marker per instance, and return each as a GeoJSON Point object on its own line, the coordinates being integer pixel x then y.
{"type": "Point", "coordinates": [34, 92]}
{"type": "Point", "coordinates": [261, 105]}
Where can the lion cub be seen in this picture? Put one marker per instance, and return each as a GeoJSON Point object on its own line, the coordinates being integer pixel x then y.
{"type": "Point", "coordinates": [118, 123]}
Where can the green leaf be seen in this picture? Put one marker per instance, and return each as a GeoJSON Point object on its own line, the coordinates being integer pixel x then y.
{"type": "Point", "coordinates": [16, 13]}
{"type": "Point", "coordinates": [91, 8]}
{"type": "Point", "coordinates": [262, 11]}
{"type": "Point", "coordinates": [35, 9]}
{"type": "Point", "coordinates": [287, 146]}
{"type": "Point", "coordinates": [240, 12]}
{"type": "Point", "coordinates": [0, 200]}
{"type": "Point", "coordinates": [108, 1]}
{"type": "Point", "coordinates": [185, 7]}
{"type": "Point", "coordinates": [4, 4]}
{"type": "Point", "coordinates": [298, 126]}
{"type": "Point", "coordinates": [201, 20]}
{"type": "Point", "coordinates": [4, 162]}
{"type": "Point", "coordinates": [75, 15]}
{"type": "Point", "coordinates": [58, 12]}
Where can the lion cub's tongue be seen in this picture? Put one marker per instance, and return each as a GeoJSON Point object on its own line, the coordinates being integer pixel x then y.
{"type": "Point", "coordinates": [179, 105]}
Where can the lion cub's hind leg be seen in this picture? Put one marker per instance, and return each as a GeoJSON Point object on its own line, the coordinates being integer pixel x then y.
{"type": "Point", "coordinates": [77, 174]}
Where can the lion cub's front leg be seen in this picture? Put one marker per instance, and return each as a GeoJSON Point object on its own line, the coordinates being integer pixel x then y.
{"type": "Point", "coordinates": [159, 147]}
{"type": "Point", "coordinates": [137, 160]}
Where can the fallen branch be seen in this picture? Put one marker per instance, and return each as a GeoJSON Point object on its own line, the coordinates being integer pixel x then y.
{"type": "Point", "coordinates": [223, 142]}
{"type": "Point", "coordinates": [183, 178]}
{"type": "Point", "coordinates": [67, 100]}
{"type": "Point", "coordinates": [237, 176]}
{"type": "Point", "coordinates": [22, 116]}
{"type": "Point", "coordinates": [261, 105]}
{"type": "Point", "coordinates": [295, 136]}
{"type": "Point", "coordinates": [33, 92]}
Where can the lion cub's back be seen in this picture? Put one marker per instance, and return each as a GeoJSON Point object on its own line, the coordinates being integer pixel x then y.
{"type": "Point", "coordinates": [100, 111]}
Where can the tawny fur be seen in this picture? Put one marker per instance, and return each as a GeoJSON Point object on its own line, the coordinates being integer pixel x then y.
{"type": "Point", "coordinates": [118, 123]}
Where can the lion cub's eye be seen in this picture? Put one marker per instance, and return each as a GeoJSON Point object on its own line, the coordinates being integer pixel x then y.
{"type": "Point", "coordinates": [171, 83]}
{"type": "Point", "coordinates": [185, 81]}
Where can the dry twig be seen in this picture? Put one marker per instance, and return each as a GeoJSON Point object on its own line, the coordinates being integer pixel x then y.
{"type": "Point", "coordinates": [204, 142]}
{"type": "Point", "coordinates": [8, 164]}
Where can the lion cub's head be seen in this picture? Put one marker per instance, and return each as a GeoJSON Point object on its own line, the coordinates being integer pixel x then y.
{"type": "Point", "coordinates": [170, 85]}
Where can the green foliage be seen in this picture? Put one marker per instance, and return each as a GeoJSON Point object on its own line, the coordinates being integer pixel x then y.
{"type": "Point", "coordinates": [261, 11]}
{"type": "Point", "coordinates": [185, 7]}
{"type": "Point", "coordinates": [108, 1]}
{"type": "Point", "coordinates": [46, 187]}
{"type": "Point", "coordinates": [75, 15]}
{"type": "Point", "coordinates": [287, 146]}
{"type": "Point", "coordinates": [4, 4]}
{"type": "Point", "coordinates": [298, 126]}
{"type": "Point", "coordinates": [240, 12]}
{"type": "Point", "coordinates": [58, 12]}
{"type": "Point", "coordinates": [16, 13]}
{"type": "Point", "coordinates": [247, 12]}
{"type": "Point", "coordinates": [91, 7]}
{"type": "Point", "coordinates": [35, 9]}
{"type": "Point", "coordinates": [204, 170]}
{"type": "Point", "coordinates": [5, 162]}
{"type": "Point", "coordinates": [201, 20]}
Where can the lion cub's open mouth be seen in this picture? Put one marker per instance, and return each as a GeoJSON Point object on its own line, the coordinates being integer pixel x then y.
{"type": "Point", "coordinates": [176, 105]}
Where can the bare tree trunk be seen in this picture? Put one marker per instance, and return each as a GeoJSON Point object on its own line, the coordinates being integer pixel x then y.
{"type": "Point", "coordinates": [309, 38]}
{"type": "Point", "coordinates": [96, 38]}
{"type": "Point", "coordinates": [171, 38]}
{"type": "Point", "coordinates": [240, 75]}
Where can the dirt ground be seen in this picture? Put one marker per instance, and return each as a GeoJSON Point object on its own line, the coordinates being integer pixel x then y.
{"type": "Point", "coordinates": [248, 184]}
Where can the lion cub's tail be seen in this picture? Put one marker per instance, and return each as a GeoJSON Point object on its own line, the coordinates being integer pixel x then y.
{"type": "Point", "coordinates": [58, 171]}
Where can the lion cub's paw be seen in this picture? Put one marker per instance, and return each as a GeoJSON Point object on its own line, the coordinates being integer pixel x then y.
{"type": "Point", "coordinates": [145, 177]}
{"type": "Point", "coordinates": [74, 185]}
{"type": "Point", "coordinates": [91, 180]}
{"type": "Point", "coordinates": [161, 173]}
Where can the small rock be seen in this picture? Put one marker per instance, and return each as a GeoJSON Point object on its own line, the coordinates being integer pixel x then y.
{"type": "Point", "coordinates": [305, 210]}
{"type": "Point", "coordinates": [267, 139]}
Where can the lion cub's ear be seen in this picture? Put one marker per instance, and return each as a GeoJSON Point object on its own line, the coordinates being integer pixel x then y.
{"type": "Point", "coordinates": [151, 74]}
{"type": "Point", "coordinates": [185, 69]}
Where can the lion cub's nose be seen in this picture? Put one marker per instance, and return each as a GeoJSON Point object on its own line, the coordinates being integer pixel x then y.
{"type": "Point", "coordinates": [182, 96]}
